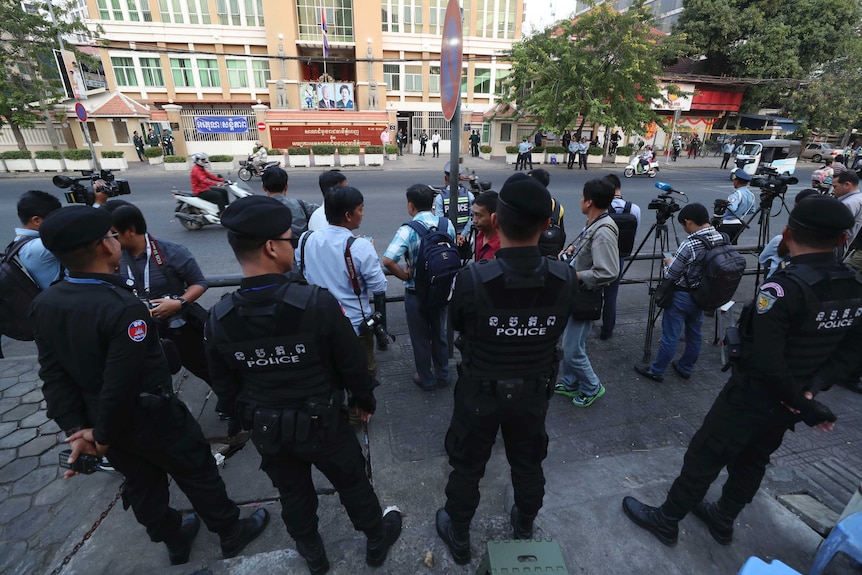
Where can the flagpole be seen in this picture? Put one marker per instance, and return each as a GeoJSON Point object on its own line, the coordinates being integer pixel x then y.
{"type": "Point", "coordinates": [325, 40]}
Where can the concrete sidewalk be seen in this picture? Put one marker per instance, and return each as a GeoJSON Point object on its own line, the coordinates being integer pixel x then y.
{"type": "Point", "coordinates": [629, 442]}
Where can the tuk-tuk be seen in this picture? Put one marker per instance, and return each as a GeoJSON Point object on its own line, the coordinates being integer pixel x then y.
{"type": "Point", "coordinates": [779, 155]}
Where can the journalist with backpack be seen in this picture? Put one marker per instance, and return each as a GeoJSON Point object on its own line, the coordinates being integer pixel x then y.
{"type": "Point", "coordinates": [427, 243]}
{"type": "Point", "coordinates": [627, 216]}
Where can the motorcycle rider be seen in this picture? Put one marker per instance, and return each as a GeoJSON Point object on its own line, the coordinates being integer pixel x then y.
{"type": "Point", "coordinates": [259, 157]}
{"type": "Point", "coordinates": [646, 158]}
{"type": "Point", "coordinates": [204, 182]}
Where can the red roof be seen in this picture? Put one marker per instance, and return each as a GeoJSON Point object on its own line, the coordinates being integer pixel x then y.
{"type": "Point", "coordinates": [120, 105]}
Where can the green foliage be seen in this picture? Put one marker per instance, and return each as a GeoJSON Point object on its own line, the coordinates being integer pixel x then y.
{"type": "Point", "coordinates": [48, 155]}
{"type": "Point", "coordinates": [323, 149]}
{"type": "Point", "coordinates": [274, 151]}
{"type": "Point", "coordinates": [625, 150]}
{"type": "Point", "coordinates": [485, 149]}
{"type": "Point", "coordinates": [299, 151]}
{"type": "Point", "coordinates": [538, 149]}
{"type": "Point", "coordinates": [112, 153]}
{"type": "Point", "coordinates": [77, 154]}
{"type": "Point", "coordinates": [511, 149]}
{"type": "Point", "coordinates": [172, 159]}
{"type": "Point", "coordinates": [15, 155]}
{"type": "Point", "coordinates": [601, 67]}
{"type": "Point", "coordinates": [391, 149]}
{"type": "Point", "coordinates": [153, 151]}
{"type": "Point", "coordinates": [221, 158]}
{"type": "Point", "coordinates": [595, 151]}
{"type": "Point", "coordinates": [374, 149]}
{"type": "Point", "coordinates": [348, 150]}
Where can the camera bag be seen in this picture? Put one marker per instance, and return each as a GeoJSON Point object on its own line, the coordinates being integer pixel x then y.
{"type": "Point", "coordinates": [17, 291]}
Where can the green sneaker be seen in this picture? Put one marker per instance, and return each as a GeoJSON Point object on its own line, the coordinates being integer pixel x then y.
{"type": "Point", "coordinates": [560, 388]}
{"type": "Point", "coordinates": [584, 400]}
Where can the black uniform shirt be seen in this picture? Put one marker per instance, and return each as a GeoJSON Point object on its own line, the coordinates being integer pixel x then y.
{"type": "Point", "coordinates": [98, 350]}
{"type": "Point", "coordinates": [172, 268]}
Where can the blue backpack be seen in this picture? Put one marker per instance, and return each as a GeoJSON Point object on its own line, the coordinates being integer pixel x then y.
{"type": "Point", "coordinates": [436, 264]}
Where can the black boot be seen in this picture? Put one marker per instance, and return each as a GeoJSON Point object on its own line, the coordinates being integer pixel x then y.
{"type": "Point", "coordinates": [522, 525]}
{"type": "Point", "coordinates": [180, 544]}
{"type": "Point", "coordinates": [653, 519]}
{"type": "Point", "coordinates": [380, 540]}
{"type": "Point", "coordinates": [314, 553]}
{"type": "Point", "coordinates": [456, 536]}
{"type": "Point", "coordinates": [244, 532]}
{"type": "Point", "coordinates": [719, 521]}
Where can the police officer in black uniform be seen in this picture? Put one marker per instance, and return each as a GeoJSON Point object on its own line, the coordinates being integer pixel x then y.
{"type": "Point", "coordinates": [801, 334]}
{"type": "Point", "coordinates": [463, 221]}
{"type": "Point", "coordinates": [281, 354]}
{"type": "Point", "coordinates": [510, 312]}
{"type": "Point", "coordinates": [107, 384]}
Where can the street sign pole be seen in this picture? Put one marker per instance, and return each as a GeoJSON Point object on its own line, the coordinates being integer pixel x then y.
{"type": "Point", "coordinates": [81, 112]}
{"type": "Point", "coordinates": [454, 166]}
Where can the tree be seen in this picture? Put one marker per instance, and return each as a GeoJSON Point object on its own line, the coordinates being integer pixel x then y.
{"type": "Point", "coordinates": [601, 67]}
{"type": "Point", "coordinates": [28, 77]}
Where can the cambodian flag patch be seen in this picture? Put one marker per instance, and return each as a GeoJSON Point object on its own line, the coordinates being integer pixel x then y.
{"type": "Point", "coordinates": [138, 330]}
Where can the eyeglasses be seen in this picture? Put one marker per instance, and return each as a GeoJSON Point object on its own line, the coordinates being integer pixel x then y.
{"type": "Point", "coordinates": [108, 236]}
{"type": "Point", "coordinates": [293, 241]}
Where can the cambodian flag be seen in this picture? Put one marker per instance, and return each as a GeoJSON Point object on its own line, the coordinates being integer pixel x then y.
{"type": "Point", "coordinates": [325, 39]}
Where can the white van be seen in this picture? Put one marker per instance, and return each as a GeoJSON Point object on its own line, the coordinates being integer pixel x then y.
{"type": "Point", "coordinates": [779, 155]}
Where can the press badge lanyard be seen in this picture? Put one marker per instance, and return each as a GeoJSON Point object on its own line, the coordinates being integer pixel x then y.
{"type": "Point", "coordinates": [152, 249]}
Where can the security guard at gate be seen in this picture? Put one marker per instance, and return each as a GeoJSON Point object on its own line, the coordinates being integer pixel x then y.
{"type": "Point", "coordinates": [510, 312]}
{"type": "Point", "coordinates": [281, 354]}
{"type": "Point", "coordinates": [801, 335]}
{"type": "Point", "coordinates": [107, 384]}
{"type": "Point", "coordinates": [464, 220]}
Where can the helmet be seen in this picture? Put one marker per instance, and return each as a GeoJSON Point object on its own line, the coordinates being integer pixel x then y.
{"type": "Point", "coordinates": [446, 168]}
{"type": "Point", "coordinates": [201, 159]}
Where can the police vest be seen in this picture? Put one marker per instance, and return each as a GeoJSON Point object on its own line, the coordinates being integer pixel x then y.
{"type": "Point", "coordinates": [517, 342]}
{"type": "Point", "coordinates": [463, 208]}
{"type": "Point", "coordinates": [274, 368]}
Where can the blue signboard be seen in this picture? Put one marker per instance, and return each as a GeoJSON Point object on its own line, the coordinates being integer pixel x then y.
{"type": "Point", "coordinates": [221, 124]}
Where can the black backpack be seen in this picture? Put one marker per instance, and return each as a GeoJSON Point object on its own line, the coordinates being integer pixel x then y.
{"type": "Point", "coordinates": [436, 264]}
{"type": "Point", "coordinates": [723, 267]}
{"type": "Point", "coordinates": [553, 239]}
{"type": "Point", "coordinates": [17, 291]}
{"type": "Point", "coordinates": [627, 223]}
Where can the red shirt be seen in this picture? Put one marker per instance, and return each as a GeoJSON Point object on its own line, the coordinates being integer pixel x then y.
{"type": "Point", "coordinates": [486, 251]}
{"type": "Point", "coordinates": [202, 180]}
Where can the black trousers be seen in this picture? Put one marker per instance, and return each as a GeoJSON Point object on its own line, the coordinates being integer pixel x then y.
{"type": "Point", "coordinates": [422, 146]}
{"type": "Point", "coordinates": [471, 436]}
{"type": "Point", "coordinates": [167, 441]}
{"type": "Point", "coordinates": [732, 231]}
{"type": "Point", "coordinates": [741, 431]}
{"type": "Point", "coordinates": [189, 340]}
{"type": "Point", "coordinates": [582, 161]}
{"type": "Point", "coordinates": [215, 195]}
{"type": "Point", "coordinates": [724, 161]}
{"type": "Point", "coordinates": [435, 150]}
{"type": "Point", "coordinates": [341, 461]}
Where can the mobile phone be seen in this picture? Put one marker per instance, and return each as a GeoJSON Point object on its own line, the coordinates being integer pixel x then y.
{"type": "Point", "coordinates": [667, 255]}
{"type": "Point", "coordinates": [85, 463]}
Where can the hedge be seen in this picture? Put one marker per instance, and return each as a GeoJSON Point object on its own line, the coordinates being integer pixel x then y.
{"type": "Point", "coordinates": [221, 158]}
{"type": "Point", "coordinates": [175, 159]}
{"type": "Point", "coordinates": [299, 151]}
{"type": "Point", "coordinates": [48, 155]}
{"type": "Point", "coordinates": [348, 150]}
{"type": "Point", "coordinates": [112, 153]}
{"type": "Point", "coordinates": [485, 149]}
{"type": "Point", "coordinates": [625, 150]}
{"type": "Point", "coordinates": [273, 151]}
{"type": "Point", "coordinates": [77, 154]}
{"type": "Point", "coordinates": [323, 149]}
{"type": "Point", "coordinates": [595, 151]}
{"type": "Point", "coordinates": [391, 149]}
{"type": "Point", "coordinates": [555, 150]}
{"type": "Point", "coordinates": [511, 149]}
{"type": "Point", "coordinates": [153, 152]}
{"type": "Point", "coordinates": [374, 149]}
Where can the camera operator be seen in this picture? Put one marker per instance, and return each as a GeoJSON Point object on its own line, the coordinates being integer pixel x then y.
{"type": "Point", "coordinates": [739, 203]}
{"type": "Point", "coordinates": [684, 270]}
{"type": "Point", "coordinates": [846, 189]}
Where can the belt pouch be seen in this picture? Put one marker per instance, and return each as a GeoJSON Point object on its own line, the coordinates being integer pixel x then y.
{"type": "Point", "coordinates": [265, 432]}
{"type": "Point", "coordinates": [303, 426]}
{"type": "Point", "coordinates": [509, 390]}
{"type": "Point", "coordinates": [288, 425]}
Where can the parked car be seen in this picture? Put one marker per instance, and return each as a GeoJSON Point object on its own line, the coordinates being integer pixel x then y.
{"type": "Point", "coordinates": [816, 151]}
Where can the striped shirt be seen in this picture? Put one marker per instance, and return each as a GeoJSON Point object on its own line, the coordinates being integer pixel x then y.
{"type": "Point", "coordinates": [686, 268]}
{"type": "Point", "coordinates": [406, 241]}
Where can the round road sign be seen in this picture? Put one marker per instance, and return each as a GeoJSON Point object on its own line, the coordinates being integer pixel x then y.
{"type": "Point", "coordinates": [451, 53]}
{"type": "Point", "coordinates": [81, 112]}
{"type": "Point", "coordinates": [261, 126]}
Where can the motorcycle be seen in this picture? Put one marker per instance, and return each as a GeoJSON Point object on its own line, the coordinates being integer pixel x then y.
{"type": "Point", "coordinates": [635, 168]}
{"type": "Point", "coordinates": [194, 212]}
{"type": "Point", "coordinates": [477, 186]}
{"type": "Point", "coordinates": [248, 168]}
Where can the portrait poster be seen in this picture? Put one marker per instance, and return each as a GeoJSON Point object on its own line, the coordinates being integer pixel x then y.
{"type": "Point", "coordinates": [308, 95]}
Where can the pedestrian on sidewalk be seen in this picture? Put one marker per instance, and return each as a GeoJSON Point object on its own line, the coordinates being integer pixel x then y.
{"type": "Point", "coordinates": [108, 386]}
{"type": "Point", "coordinates": [138, 142]}
{"type": "Point", "coordinates": [789, 355]}
{"type": "Point", "coordinates": [282, 353]}
{"type": "Point", "coordinates": [423, 142]}
{"type": "Point", "coordinates": [435, 145]}
{"type": "Point", "coordinates": [506, 374]}
{"type": "Point", "coordinates": [727, 150]}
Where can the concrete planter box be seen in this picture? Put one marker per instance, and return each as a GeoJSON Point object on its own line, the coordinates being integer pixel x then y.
{"type": "Point", "coordinates": [539, 159]}
{"type": "Point", "coordinates": [182, 167]}
{"type": "Point", "coordinates": [619, 159]}
{"type": "Point", "coordinates": [348, 160]}
{"type": "Point", "coordinates": [115, 164]}
{"type": "Point", "coordinates": [485, 156]}
{"type": "Point", "coordinates": [3, 166]}
{"type": "Point", "coordinates": [156, 161]}
{"type": "Point", "coordinates": [511, 158]}
{"type": "Point", "coordinates": [393, 157]}
{"type": "Point", "coordinates": [216, 167]}
{"type": "Point", "coordinates": [325, 160]}
{"type": "Point", "coordinates": [49, 165]}
{"type": "Point", "coordinates": [594, 159]}
{"type": "Point", "coordinates": [20, 165]}
{"type": "Point", "coordinates": [299, 161]}
{"type": "Point", "coordinates": [373, 159]}
{"type": "Point", "coordinates": [78, 165]}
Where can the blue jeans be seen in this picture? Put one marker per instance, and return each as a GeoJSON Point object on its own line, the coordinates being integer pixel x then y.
{"type": "Point", "coordinates": [682, 312]}
{"type": "Point", "coordinates": [577, 372]}
{"type": "Point", "coordinates": [428, 338]}
{"type": "Point", "coordinates": [609, 309]}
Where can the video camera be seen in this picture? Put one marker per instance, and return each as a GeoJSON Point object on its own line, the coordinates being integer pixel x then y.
{"type": "Point", "coordinates": [374, 324]}
{"type": "Point", "coordinates": [664, 205]}
{"type": "Point", "coordinates": [102, 181]}
{"type": "Point", "coordinates": [773, 184]}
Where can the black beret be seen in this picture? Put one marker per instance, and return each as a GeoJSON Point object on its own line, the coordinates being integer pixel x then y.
{"type": "Point", "coordinates": [526, 195]}
{"type": "Point", "coordinates": [821, 215]}
{"type": "Point", "coordinates": [257, 217]}
{"type": "Point", "coordinates": [68, 228]}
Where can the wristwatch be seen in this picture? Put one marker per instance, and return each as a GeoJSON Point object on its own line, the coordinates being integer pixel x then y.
{"type": "Point", "coordinates": [182, 301]}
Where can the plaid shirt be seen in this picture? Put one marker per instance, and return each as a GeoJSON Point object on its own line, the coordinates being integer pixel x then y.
{"type": "Point", "coordinates": [406, 241]}
{"type": "Point", "coordinates": [686, 269]}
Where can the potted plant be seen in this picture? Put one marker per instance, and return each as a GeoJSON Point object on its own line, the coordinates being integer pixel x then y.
{"type": "Point", "coordinates": [374, 155]}
{"type": "Point", "coordinates": [324, 154]}
{"type": "Point", "coordinates": [348, 155]}
{"type": "Point", "coordinates": [392, 151]}
{"type": "Point", "coordinates": [624, 154]}
{"type": "Point", "coordinates": [299, 157]}
{"type": "Point", "coordinates": [511, 154]}
{"type": "Point", "coordinates": [539, 155]}
{"type": "Point", "coordinates": [594, 155]}
{"type": "Point", "coordinates": [114, 160]}
{"type": "Point", "coordinates": [154, 154]}
{"type": "Point", "coordinates": [49, 161]}
{"type": "Point", "coordinates": [18, 160]}
{"type": "Point", "coordinates": [556, 155]}
{"type": "Point", "coordinates": [221, 162]}
{"type": "Point", "coordinates": [176, 163]}
{"type": "Point", "coordinates": [485, 152]}
{"type": "Point", "coordinates": [77, 160]}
